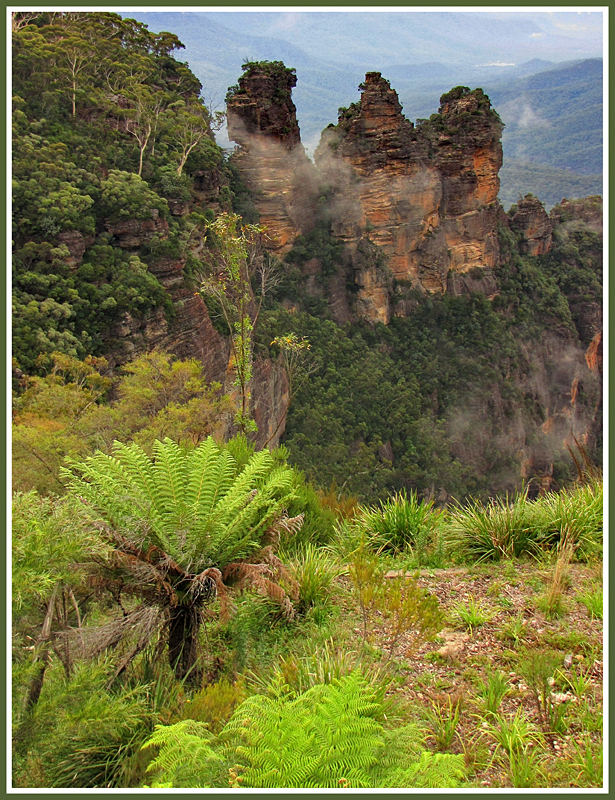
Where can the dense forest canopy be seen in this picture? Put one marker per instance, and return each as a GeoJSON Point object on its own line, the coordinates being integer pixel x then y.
{"type": "Point", "coordinates": [107, 128]}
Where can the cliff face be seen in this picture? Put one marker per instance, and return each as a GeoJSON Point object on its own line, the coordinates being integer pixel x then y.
{"type": "Point", "coordinates": [415, 206]}
{"type": "Point", "coordinates": [191, 333]}
{"type": "Point", "coordinates": [416, 209]}
{"type": "Point", "coordinates": [273, 165]}
{"type": "Point", "coordinates": [425, 196]}
{"type": "Point", "coordinates": [536, 227]}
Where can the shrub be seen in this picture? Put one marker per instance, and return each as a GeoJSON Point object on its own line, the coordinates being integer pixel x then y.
{"type": "Point", "coordinates": [592, 600]}
{"type": "Point", "coordinates": [215, 703]}
{"type": "Point", "coordinates": [400, 600]}
{"type": "Point", "coordinates": [83, 734]}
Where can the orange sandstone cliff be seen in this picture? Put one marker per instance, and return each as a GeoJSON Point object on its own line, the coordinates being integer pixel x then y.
{"type": "Point", "coordinates": [415, 206]}
{"type": "Point", "coordinates": [262, 119]}
{"type": "Point", "coordinates": [426, 195]}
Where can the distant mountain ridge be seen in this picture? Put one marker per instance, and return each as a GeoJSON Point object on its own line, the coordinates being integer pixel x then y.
{"type": "Point", "coordinates": [552, 111]}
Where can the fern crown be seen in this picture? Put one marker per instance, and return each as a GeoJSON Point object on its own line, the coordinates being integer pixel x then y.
{"type": "Point", "coordinates": [200, 506]}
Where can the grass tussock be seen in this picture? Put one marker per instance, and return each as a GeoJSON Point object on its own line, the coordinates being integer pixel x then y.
{"type": "Point", "coordinates": [518, 526]}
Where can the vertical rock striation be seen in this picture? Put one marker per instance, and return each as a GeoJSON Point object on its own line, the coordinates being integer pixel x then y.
{"type": "Point", "coordinates": [531, 220]}
{"type": "Point", "coordinates": [425, 195]}
{"type": "Point", "coordinates": [262, 120]}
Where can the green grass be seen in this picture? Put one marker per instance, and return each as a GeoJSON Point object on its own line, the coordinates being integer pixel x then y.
{"type": "Point", "coordinates": [592, 600]}
{"type": "Point", "coordinates": [513, 527]}
{"type": "Point", "coordinates": [472, 615]}
{"type": "Point", "coordinates": [492, 691]}
{"type": "Point", "coordinates": [314, 569]}
{"type": "Point", "coordinates": [397, 524]}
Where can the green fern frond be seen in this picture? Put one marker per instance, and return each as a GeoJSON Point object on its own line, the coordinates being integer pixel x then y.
{"type": "Point", "coordinates": [185, 758]}
{"type": "Point", "coordinates": [434, 771]}
{"type": "Point", "coordinates": [327, 737]}
{"type": "Point", "coordinates": [203, 467]}
{"type": "Point", "coordinates": [170, 478]}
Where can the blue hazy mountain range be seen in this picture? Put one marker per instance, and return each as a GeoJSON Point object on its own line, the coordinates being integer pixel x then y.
{"type": "Point", "coordinates": [543, 73]}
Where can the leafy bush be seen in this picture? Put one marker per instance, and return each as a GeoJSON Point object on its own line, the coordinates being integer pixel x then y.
{"type": "Point", "coordinates": [82, 734]}
{"type": "Point", "coordinates": [400, 600]}
{"type": "Point", "coordinates": [319, 520]}
{"type": "Point", "coordinates": [127, 196]}
{"type": "Point", "coordinates": [215, 703]}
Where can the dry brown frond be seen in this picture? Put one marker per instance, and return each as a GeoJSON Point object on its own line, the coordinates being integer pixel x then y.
{"type": "Point", "coordinates": [587, 470]}
{"type": "Point", "coordinates": [128, 635]}
{"type": "Point", "coordinates": [288, 525]}
{"type": "Point", "coordinates": [259, 578]}
{"type": "Point", "coordinates": [209, 585]}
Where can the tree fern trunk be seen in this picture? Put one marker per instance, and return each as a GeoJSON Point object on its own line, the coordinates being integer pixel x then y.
{"type": "Point", "coordinates": [184, 626]}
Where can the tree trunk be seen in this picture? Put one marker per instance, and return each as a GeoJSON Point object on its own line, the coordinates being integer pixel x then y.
{"type": "Point", "coordinates": [42, 655]}
{"type": "Point", "coordinates": [184, 626]}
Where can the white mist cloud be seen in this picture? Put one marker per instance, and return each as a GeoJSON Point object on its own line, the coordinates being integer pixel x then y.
{"type": "Point", "coordinates": [497, 64]}
{"type": "Point", "coordinates": [519, 113]}
{"type": "Point", "coordinates": [530, 119]}
{"type": "Point", "coordinates": [286, 22]}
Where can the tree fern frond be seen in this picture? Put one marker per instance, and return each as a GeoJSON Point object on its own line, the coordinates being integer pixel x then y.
{"type": "Point", "coordinates": [252, 576]}
{"type": "Point", "coordinates": [170, 477]}
{"type": "Point", "coordinates": [137, 467]}
{"type": "Point", "coordinates": [203, 465]}
{"type": "Point", "coordinates": [253, 476]}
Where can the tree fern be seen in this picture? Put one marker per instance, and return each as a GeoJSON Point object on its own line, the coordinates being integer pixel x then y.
{"type": "Point", "coordinates": [178, 520]}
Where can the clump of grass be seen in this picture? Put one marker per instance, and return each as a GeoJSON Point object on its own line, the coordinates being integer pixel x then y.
{"type": "Point", "coordinates": [492, 691]}
{"type": "Point", "coordinates": [518, 738]}
{"type": "Point", "coordinates": [515, 629]}
{"type": "Point", "coordinates": [524, 768]}
{"type": "Point", "coordinates": [513, 735]}
{"type": "Point", "coordinates": [501, 529]}
{"type": "Point", "coordinates": [323, 665]}
{"type": "Point", "coordinates": [396, 523]}
{"type": "Point", "coordinates": [578, 681]}
{"type": "Point", "coordinates": [574, 514]}
{"type": "Point", "coordinates": [314, 569]}
{"type": "Point", "coordinates": [592, 600]}
{"type": "Point", "coordinates": [518, 526]}
{"type": "Point", "coordinates": [589, 762]}
{"type": "Point", "coordinates": [552, 602]}
{"type": "Point", "coordinates": [443, 718]}
{"type": "Point", "coordinates": [472, 615]}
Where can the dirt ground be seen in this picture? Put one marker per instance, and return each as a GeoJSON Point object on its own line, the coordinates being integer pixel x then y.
{"type": "Point", "coordinates": [437, 675]}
